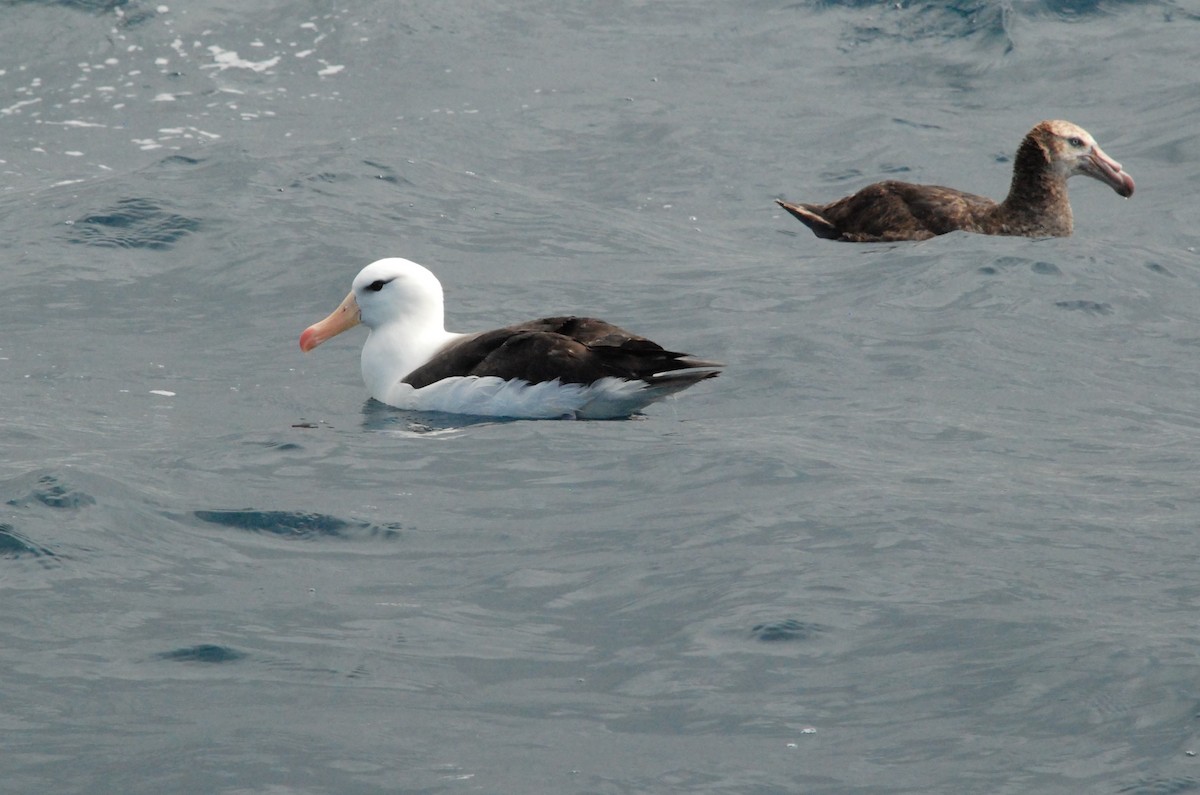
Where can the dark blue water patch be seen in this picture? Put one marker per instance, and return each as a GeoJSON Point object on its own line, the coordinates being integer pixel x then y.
{"type": "Point", "coordinates": [914, 21]}
{"type": "Point", "coordinates": [324, 176]}
{"type": "Point", "coordinates": [386, 173]}
{"type": "Point", "coordinates": [787, 630]}
{"type": "Point", "coordinates": [372, 170]}
{"type": "Point", "coordinates": [916, 124]}
{"type": "Point", "coordinates": [1040, 267]}
{"type": "Point", "coordinates": [132, 223]}
{"type": "Point", "coordinates": [50, 492]}
{"type": "Point", "coordinates": [1002, 264]}
{"type": "Point", "coordinates": [1068, 9]}
{"type": "Point", "coordinates": [310, 425]}
{"type": "Point", "coordinates": [1169, 14]}
{"type": "Point", "coordinates": [285, 447]}
{"type": "Point", "coordinates": [293, 524]}
{"type": "Point", "coordinates": [82, 5]}
{"type": "Point", "coordinates": [1162, 786]}
{"type": "Point", "coordinates": [135, 14]}
{"type": "Point", "coordinates": [971, 10]}
{"type": "Point", "coordinates": [15, 545]}
{"type": "Point", "coordinates": [842, 176]}
{"type": "Point", "coordinates": [203, 653]}
{"type": "Point", "coordinates": [1087, 307]}
{"type": "Point", "coordinates": [178, 161]}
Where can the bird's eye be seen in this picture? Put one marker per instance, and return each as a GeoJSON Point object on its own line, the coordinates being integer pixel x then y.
{"type": "Point", "coordinates": [377, 285]}
{"type": "Point", "coordinates": [1076, 142]}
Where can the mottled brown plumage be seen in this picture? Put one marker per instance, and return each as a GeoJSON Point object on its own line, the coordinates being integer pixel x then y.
{"type": "Point", "coordinates": [1036, 205]}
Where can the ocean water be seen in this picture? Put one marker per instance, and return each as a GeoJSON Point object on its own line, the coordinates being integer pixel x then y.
{"type": "Point", "coordinates": [933, 531]}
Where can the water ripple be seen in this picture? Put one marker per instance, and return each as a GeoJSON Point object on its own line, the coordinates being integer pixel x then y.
{"type": "Point", "coordinates": [787, 630]}
{"type": "Point", "coordinates": [293, 524]}
{"type": "Point", "coordinates": [203, 653]}
{"type": "Point", "coordinates": [132, 223]}
{"type": "Point", "coordinates": [49, 491]}
{"type": "Point", "coordinates": [15, 545]}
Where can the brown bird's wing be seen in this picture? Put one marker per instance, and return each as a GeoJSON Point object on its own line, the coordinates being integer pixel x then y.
{"type": "Point", "coordinates": [894, 211]}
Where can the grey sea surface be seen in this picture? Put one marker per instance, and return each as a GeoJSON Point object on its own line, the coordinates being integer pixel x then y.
{"type": "Point", "coordinates": [935, 530]}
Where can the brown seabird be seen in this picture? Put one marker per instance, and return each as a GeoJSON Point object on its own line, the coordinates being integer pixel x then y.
{"type": "Point", "coordinates": [1036, 206]}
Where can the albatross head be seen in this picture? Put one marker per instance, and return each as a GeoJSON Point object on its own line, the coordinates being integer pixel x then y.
{"type": "Point", "coordinates": [1073, 151]}
{"type": "Point", "coordinates": [388, 291]}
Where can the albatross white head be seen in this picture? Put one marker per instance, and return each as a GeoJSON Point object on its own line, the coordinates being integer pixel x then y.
{"type": "Point", "coordinates": [401, 304]}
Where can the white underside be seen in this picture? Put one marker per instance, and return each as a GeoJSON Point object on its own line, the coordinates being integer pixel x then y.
{"type": "Point", "coordinates": [608, 398]}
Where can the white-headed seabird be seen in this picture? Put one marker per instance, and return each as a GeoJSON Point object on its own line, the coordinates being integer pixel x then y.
{"type": "Point", "coordinates": [555, 367]}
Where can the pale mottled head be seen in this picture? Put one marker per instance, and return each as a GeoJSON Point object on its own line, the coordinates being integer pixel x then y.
{"type": "Point", "coordinates": [1072, 150]}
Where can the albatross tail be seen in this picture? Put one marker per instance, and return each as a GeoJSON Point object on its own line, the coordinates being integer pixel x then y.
{"type": "Point", "coordinates": [811, 219]}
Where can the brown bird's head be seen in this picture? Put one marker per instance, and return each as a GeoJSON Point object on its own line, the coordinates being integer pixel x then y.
{"type": "Point", "coordinates": [1071, 150]}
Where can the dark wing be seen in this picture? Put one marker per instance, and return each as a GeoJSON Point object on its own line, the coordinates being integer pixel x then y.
{"type": "Point", "coordinates": [897, 211]}
{"type": "Point", "coordinates": [575, 350]}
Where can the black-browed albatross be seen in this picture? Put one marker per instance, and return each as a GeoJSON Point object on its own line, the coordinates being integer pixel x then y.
{"type": "Point", "coordinates": [555, 367]}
